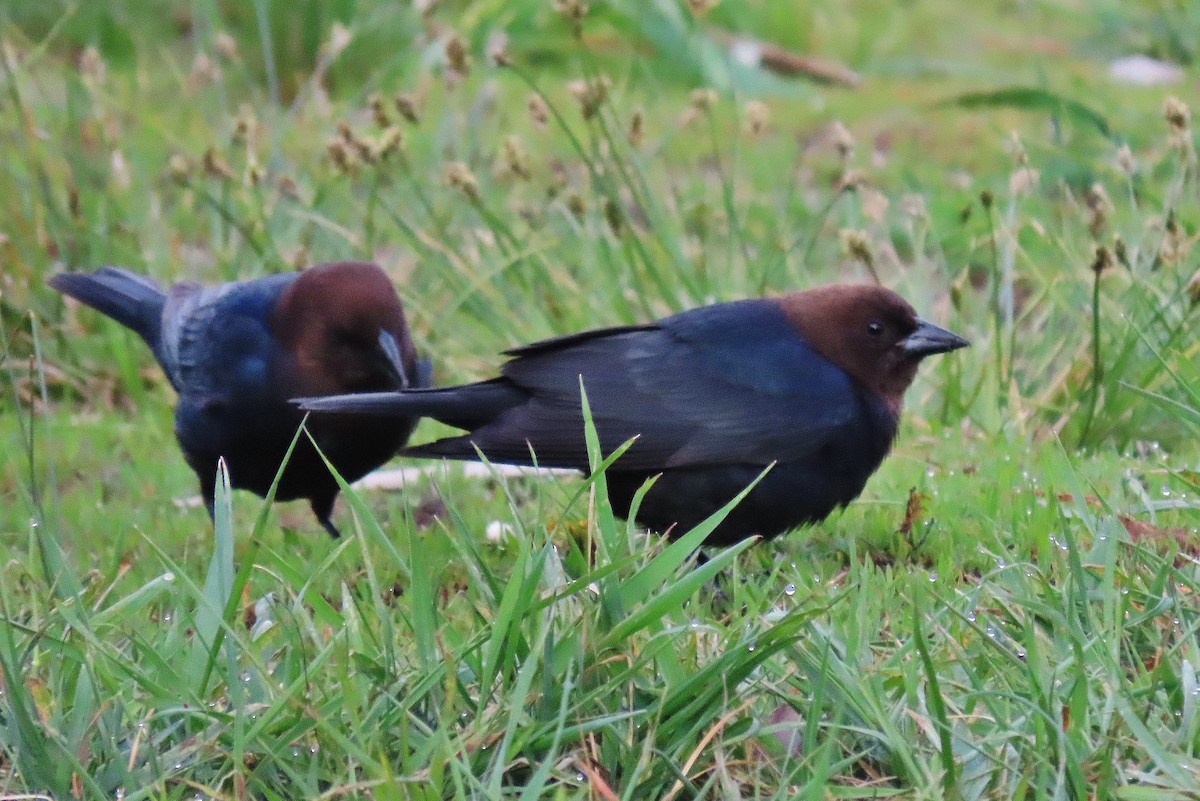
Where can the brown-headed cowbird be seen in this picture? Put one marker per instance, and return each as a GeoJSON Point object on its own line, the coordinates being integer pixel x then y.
{"type": "Point", "coordinates": [811, 382]}
{"type": "Point", "coordinates": [235, 353]}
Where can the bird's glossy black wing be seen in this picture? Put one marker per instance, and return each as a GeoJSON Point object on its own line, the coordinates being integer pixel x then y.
{"type": "Point", "coordinates": [217, 341]}
{"type": "Point", "coordinates": [732, 383]}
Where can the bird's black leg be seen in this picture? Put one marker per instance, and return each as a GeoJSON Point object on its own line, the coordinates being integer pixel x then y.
{"type": "Point", "coordinates": [323, 508]}
{"type": "Point", "coordinates": [328, 525]}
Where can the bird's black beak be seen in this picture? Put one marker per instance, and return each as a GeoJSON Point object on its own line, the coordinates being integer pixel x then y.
{"type": "Point", "coordinates": [394, 360]}
{"type": "Point", "coordinates": [929, 339]}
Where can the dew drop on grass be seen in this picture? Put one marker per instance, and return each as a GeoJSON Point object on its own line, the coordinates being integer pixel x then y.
{"type": "Point", "coordinates": [167, 617]}
{"type": "Point", "coordinates": [119, 794]}
{"type": "Point", "coordinates": [313, 749]}
{"type": "Point", "coordinates": [1021, 654]}
{"type": "Point", "coordinates": [789, 590]}
{"type": "Point", "coordinates": [990, 631]}
{"type": "Point", "coordinates": [933, 576]}
{"type": "Point", "coordinates": [971, 616]}
{"type": "Point", "coordinates": [295, 753]}
{"type": "Point", "coordinates": [178, 765]}
{"type": "Point", "coordinates": [750, 647]}
{"type": "Point", "coordinates": [168, 576]}
{"type": "Point", "coordinates": [580, 778]}
{"type": "Point", "coordinates": [246, 678]}
{"type": "Point", "coordinates": [695, 623]}
{"type": "Point", "coordinates": [816, 578]}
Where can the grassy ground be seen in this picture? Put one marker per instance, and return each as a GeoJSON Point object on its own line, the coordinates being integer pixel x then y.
{"type": "Point", "coordinates": [1009, 611]}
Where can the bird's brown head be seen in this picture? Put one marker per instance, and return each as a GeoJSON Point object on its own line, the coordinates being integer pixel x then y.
{"type": "Point", "coordinates": [870, 332]}
{"type": "Point", "coordinates": [345, 328]}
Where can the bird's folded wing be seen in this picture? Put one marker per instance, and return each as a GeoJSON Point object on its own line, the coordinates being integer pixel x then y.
{"type": "Point", "coordinates": [726, 384]}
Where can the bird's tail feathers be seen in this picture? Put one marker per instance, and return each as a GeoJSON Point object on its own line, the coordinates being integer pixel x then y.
{"type": "Point", "coordinates": [378, 404]}
{"type": "Point", "coordinates": [133, 300]}
{"type": "Point", "coordinates": [467, 406]}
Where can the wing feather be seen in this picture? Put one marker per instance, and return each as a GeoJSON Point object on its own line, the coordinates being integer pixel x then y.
{"type": "Point", "coordinates": [726, 384]}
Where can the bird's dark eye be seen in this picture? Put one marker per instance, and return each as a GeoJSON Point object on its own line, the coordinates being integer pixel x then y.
{"type": "Point", "coordinates": [874, 328]}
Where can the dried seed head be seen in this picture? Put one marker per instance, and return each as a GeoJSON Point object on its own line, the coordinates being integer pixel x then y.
{"type": "Point", "coordinates": [1119, 251]}
{"type": "Point", "coordinates": [1193, 289]}
{"type": "Point", "coordinates": [226, 46]}
{"type": "Point", "coordinates": [215, 166]}
{"type": "Point", "coordinates": [842, 139]}
{"type": "Point", "coordinates": [702, 100]}
{"type": "Point", "coordinates": [91, 65]}
{"type": "Point", "coordinates": [1098, 206]}
{"type": "Point", "coordinates": [1102, 260]}
{"type": "Point", "coordinates": [574, 11]}
{"type": "Point", "coordinates": [614, 215]}
{"type": "Point", "coordinates": [204, 72]}
{"type": "Point", "coordinates": [636, 128]}
{"type": "Point", "coordinates": [539, 112]}
{"type": "Point", "coordinates": [576, 205]}
{"type": "Point", "coordinates": [873, 202]}
{"type": "Point", "coordinates": [287, 187]}
{"type": "Point", "coordinates": [179, 167]}
{"type": "Point", "coordinates": [914, 206]}
{"type": "Point", "coordinates": [456, 56]}
{"type": "Point", "coordinates": [591, 95]}
{"type": "Point", "coordinates": [339, 40]}
{"type": "Point", "coordinates": [459, 176]}
{"type": "Point", "coordinates": [341, 155]}
{"type": "Point", "coordinates": [497, 49]}
{"type": "Point", "coordinates": [1125, 160]}
{"type": "Point", "coordinates": [513, 159]}
{"type": "Point", "coordinates": [986, 198]}
{"type": "Point", "coordinates": [378, 110]}
{"type": "Point", "coordinates": [1176, 244]}
{"type": "Point", "coordinates": [758, 115]}
{"type": "Point", "coordinates": [244, 124]}
{"type": "Point", "coordinates": [390, 142]}
{"type": "Point", "coordinates": [851, 180]}
{"type": "Point", "coordinates": [406, 105]}
{"type": "Point", "coordinates": [1016, 149]}
{"type": "Point", "coordinates": [254, 172]}
{"type": "Point", "coordinates": [1177, 114]}
{"type": "Point", "coordinates": [701, 7]}
{"type": "Point", "coordinates": [1023, 181]}
{"type": "Point", "coordinates": [300, 258]}
{"type": "Point", "coordinates": [119, 170]}
{"type": "Point", "coordinates": [360, 147]}
{"type": "Point", "coordinates": [857, 246]}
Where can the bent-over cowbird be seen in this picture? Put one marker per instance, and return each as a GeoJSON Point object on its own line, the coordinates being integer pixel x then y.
{"type": "Point", "coordinates": [812, 382]}
{"type": "Point", "coordinates": [235, 353]}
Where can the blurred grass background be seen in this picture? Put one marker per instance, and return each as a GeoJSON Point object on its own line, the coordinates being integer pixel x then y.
{"type": "Point", "coordinates": [525, 169]}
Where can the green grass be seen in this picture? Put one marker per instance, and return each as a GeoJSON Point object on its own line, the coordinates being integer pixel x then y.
{"type": "Point", "coordinates": [1009, 610]}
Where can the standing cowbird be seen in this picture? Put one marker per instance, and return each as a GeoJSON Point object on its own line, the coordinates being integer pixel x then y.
{"type": "Point", "coordinates": [811, 382]}
{"type": "Point", "coordinates": [237, 352]}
